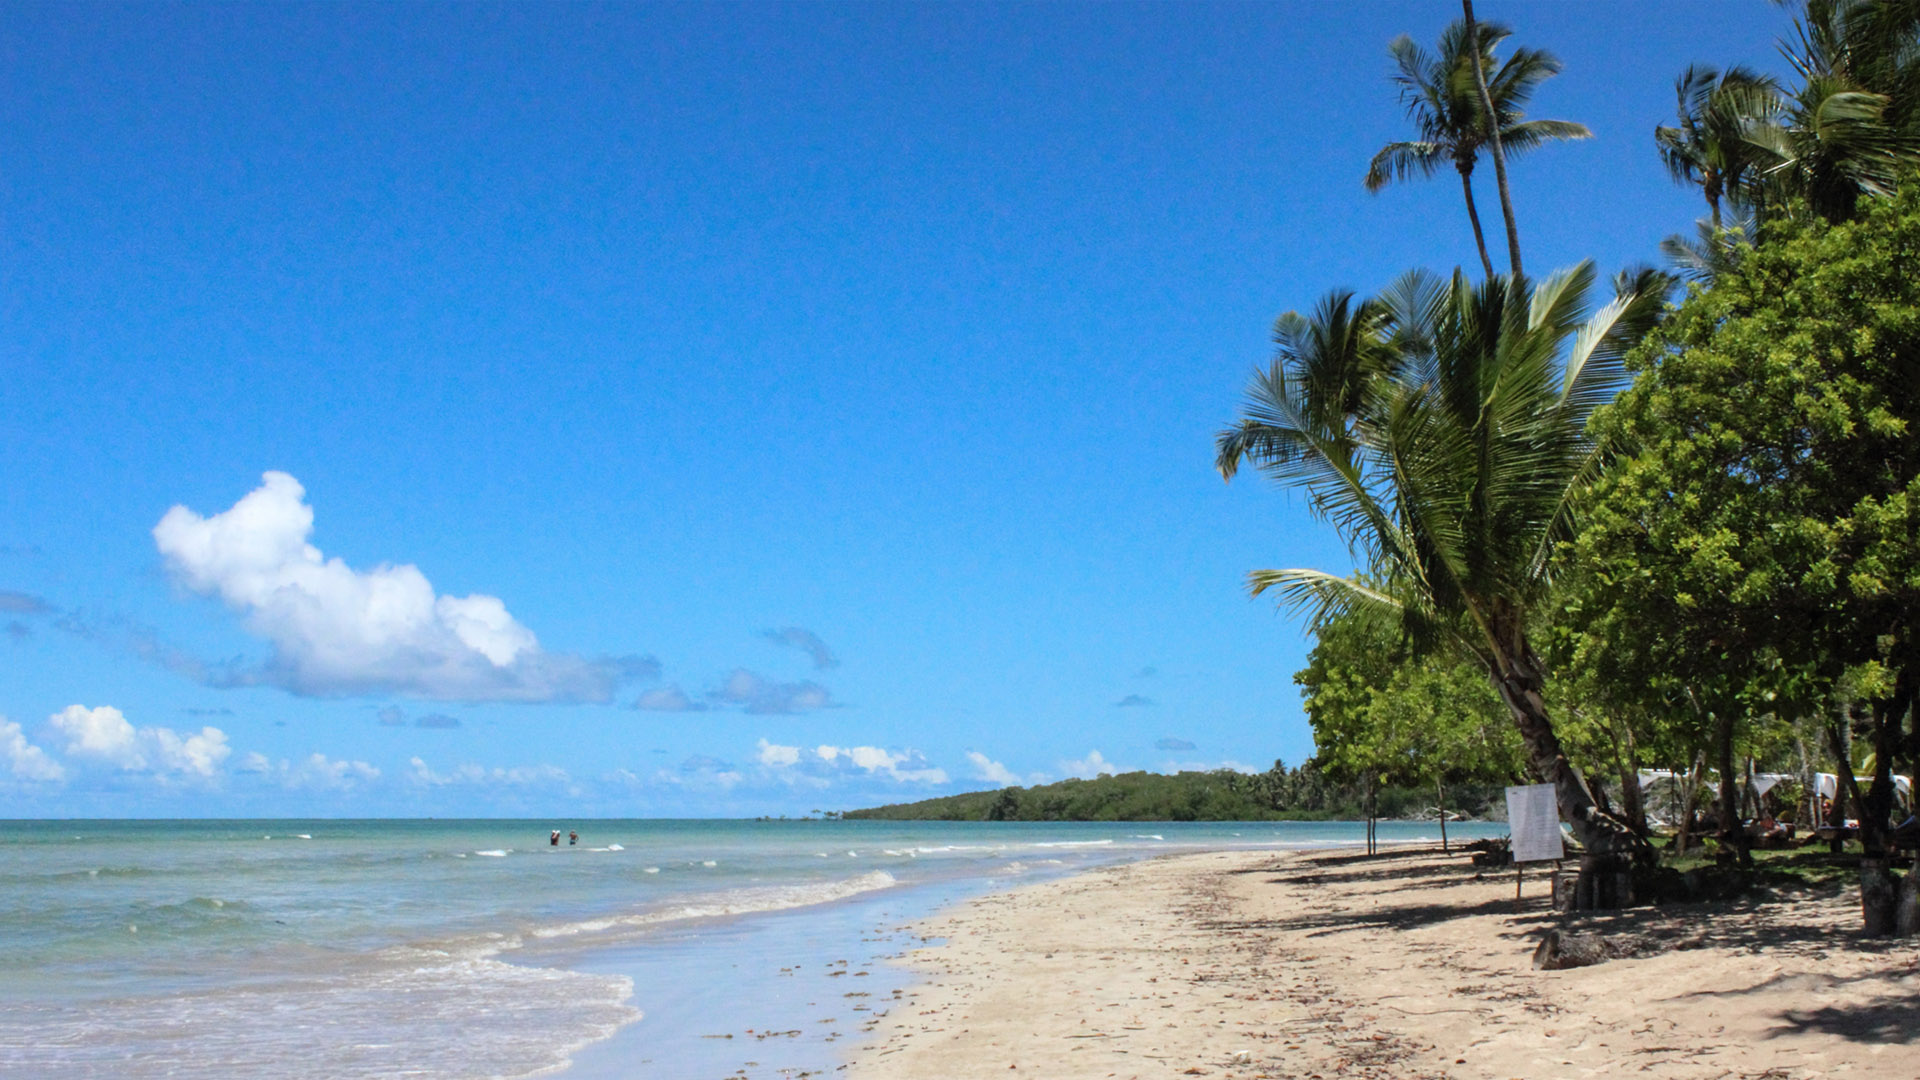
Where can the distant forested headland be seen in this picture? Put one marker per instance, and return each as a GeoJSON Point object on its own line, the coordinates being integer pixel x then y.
{"type": "Point", "coordinates": [1281, 793]}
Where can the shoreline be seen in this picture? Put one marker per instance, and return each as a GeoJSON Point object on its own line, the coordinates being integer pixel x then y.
{"type": "Point", "coordinates": [1407, 965]}
{"type": "Point", "coordinates": [782, 994]}
{"type": "Point", "coordinates": [454, 949]}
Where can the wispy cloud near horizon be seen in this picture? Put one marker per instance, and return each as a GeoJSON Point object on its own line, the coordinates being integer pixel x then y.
{"type": "Point", "coordinates": [1089, 767]}
{"type": "Point", "coordinates": [807, 642]}
{"type": "Point", "coordinates": [758, 695]}
{"type": "Point", "coordinates": [820, 765]}
{"type": "Point", "coordinates": [19, 603]}
{"type": "Point", "coordinates": [315, 772]}
{"type": "Point", "coordinates": [985, 768]}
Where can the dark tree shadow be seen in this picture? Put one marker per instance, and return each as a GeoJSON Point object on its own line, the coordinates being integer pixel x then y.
{"type": "Point", "coordinates": [1532, 915]}
{"type": "Point", "coordinates": [1881, 1021]}
{"type": "Point", "coordinates": [1742, 924]}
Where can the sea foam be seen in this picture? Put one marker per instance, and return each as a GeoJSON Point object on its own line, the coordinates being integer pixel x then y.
{"type": "Point", "coordinates": [731, 902]}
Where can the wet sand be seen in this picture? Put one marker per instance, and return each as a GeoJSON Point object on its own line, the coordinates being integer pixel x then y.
{"type": "Point", "coordinates": [1405, 965]}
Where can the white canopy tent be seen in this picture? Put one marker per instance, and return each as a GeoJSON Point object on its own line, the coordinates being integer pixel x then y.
{"type": "Point", "coordinates": [1826, 785]}
{"type": "Point", "coordinates": [1661, 788]}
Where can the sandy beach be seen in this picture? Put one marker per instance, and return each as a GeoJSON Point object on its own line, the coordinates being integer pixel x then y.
{"type": "Point", "coordinates": [1408, 964]}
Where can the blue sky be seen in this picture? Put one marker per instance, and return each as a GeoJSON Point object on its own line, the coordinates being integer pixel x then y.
{"type": "Point", "coordinates": [697, 409]}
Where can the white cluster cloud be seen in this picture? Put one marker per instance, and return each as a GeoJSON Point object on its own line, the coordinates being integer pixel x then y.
{"type": "Point", "coordinates": [821, 763]}
{"type": "Point", "coordinates": [778, 757]}
{"type": "Point", "coordinates": [105, 734]}
{"type": "Point", "coordinates": [518, 776]}
{"type": "Point", "coordinates": [315, 771]}
{"type": "Point", "coordinates": [1089, 767]}
{"type": "Point", "coordinates": [336, 630]}
{"type": "Point", "coordinates": [25, 760]}
{"type": "Point", "coordinates": [985, 768]}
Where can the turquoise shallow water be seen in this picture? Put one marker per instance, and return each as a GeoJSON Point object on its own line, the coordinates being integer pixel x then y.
{"type": "Point", "coordinates": [460, 949]}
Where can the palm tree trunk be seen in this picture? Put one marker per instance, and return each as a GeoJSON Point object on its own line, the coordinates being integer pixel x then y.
{"type": "Point", "coordinates": [1473, 215]}
{"type": "Point", "coordinates": [1517, 679]}
{"type": "Point", "coordinates": [1606, 866]}
{"type": "Point", "coordinates": [1493, 137]}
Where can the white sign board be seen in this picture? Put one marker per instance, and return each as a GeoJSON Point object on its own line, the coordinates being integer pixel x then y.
{"type": "Point", "coordinates": [1533, 817]}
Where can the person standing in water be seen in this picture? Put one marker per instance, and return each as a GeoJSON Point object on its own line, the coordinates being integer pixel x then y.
{"type": "Point", "coordinates": [554, 840]}
{"type": "Point", "coordinates": [572, 838]}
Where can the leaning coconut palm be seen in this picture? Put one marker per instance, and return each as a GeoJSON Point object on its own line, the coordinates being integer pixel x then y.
{"type": "Point", "coordinates": [1444, 105]}
{"type": "Point", "coordinates": [1451, 470]}
{"type": "Point", "coordinates": [1712, 145]}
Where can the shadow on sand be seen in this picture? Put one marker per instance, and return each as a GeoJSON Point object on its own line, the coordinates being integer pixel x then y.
{"type": "Point", "coordinates": [1744, 925]}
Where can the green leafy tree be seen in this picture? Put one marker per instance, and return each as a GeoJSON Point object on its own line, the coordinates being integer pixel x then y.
{"type": "Point", "coordinates": [1447, 446]}
{"type": "Point", "coordinates": [1768, 494]}
{"type": "Point", "coordinates": [1380, 711]}
{"type": "Point", "coordinates": [1649, 674]}
{"type": "Point", "coordinates": [1280, 793]}
{"type": "Point", "coordinates": [1451, 125]}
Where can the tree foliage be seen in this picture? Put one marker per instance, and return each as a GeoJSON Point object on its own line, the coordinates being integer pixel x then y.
{"type": "Point", "coordinates": [1756, 543]}
{"type": "Point", "coordinates": [1442, 428]}
{"type": "Point", "coordinates": [1377, 708]}
{"type": "Point", "coordinates": [1282, 793]}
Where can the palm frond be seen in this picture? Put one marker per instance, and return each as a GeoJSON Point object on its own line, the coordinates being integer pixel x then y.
{"type": "Point", "coordinates": [1438, 92]}
{"type": "Point", "coordinates": [1513, 84]}
{"type": "Point", "coordinates": [1410, 305]}
{"type": "Point", "coordinates": [1403, 161]}
{"type": "Point", "coordinates": [1521, 137]}
{"type": "Point", "coordinates": [1711, 252]}
{"type": "Point", "coordinates": [1280, 435]}
{"type": "Point", "coordinates": [1559, 302]}
{"type": "Point", "coordinates": [1320, 595]}
{"type": "Point", "coordinates": [1595, 368]}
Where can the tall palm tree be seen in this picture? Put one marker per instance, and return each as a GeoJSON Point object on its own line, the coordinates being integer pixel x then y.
{"type": "Point", "coordinates": [1713, 143]}
{"type": "Point", "coordinates": [1450, 124]}
{"type": "Point", "coordinates": [1442, 429]}
{"type": "Point", "coordinates": [1476, 63]}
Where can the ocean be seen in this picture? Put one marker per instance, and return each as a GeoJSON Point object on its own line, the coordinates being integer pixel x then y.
{"type": "Point", "coordinates": [466, 949]}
